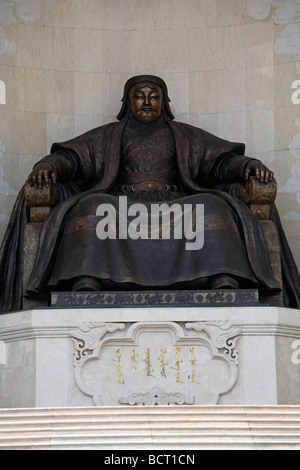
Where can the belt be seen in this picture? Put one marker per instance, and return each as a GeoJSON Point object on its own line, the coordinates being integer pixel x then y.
{"type": "Point", "coordinates": [147, 187]}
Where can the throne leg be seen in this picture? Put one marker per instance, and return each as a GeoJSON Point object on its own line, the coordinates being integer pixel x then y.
{"type": "Point", "coordinates": [272, 239]}
{"type": "Point", "coordinates": [31, 243]}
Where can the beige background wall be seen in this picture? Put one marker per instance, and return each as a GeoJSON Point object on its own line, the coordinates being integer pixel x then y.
{"type": "Point", "coordinates": [229, 66]}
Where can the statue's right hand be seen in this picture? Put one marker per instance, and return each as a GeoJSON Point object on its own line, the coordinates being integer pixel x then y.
{"type": "Point", "coordinates": [41, 175]}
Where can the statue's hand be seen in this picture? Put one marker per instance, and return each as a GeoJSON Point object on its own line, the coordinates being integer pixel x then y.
{"type": "Point", "coordinates": [258, 169]}
{"type": "Point", "coordinates": [41, 175]}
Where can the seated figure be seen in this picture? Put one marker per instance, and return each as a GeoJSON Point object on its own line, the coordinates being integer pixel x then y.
{"type": "Point", "coordinates": [150, 159]}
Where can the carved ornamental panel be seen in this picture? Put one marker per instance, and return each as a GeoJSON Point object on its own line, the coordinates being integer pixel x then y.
{"type": "Point", "coordinates": [155, 363]}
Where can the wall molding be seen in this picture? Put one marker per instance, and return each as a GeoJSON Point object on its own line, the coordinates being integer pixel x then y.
{"type": "Point", "coordinates": [27, 10]}
{"type": "Point", "coordinates": [282, 12]}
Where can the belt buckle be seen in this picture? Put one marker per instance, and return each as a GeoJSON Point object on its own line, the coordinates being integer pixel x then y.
{"type": "Point", "coordinates": [149, 186]}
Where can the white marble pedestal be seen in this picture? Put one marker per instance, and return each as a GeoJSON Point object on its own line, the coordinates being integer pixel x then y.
{"type": "Point", "coordinates": [117, 356]}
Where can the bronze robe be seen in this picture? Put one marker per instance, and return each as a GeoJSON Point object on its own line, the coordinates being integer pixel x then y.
{"type": "Point", "coordinates": [202, 160]}
{"type": "Point", "coordinates": [205, 163]}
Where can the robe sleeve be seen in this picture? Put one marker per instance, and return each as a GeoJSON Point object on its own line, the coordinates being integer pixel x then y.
{"type": "Point", "coordinates": [65, 163]}
{"type": "Point", "coordinates": [222, 161]}
{"type": "Point", "coordinates": [83, 158]}
{"type": "Point", "coordinates": [230, 169]}
{"type": "Point", "coordinates": [75, 159]}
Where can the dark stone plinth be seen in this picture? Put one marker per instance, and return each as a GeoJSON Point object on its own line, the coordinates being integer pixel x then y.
{"type": "Point", "coordinates": [187, 298]}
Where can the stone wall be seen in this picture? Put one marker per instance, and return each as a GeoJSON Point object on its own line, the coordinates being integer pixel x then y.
{"type": "Point", "coordinates": [229, 66]}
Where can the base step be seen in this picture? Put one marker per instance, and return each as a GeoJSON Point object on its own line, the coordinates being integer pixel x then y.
{"type": "Point", "coordinates": [155, 428]}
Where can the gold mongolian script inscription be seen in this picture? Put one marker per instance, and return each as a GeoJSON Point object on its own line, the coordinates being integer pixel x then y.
{"type": "Point", "coordinates": [144, 362]}
{"type": "Point", "coordinates": [133, 358]}
{"type": "Point", "coordinates": [163, 362]}
{"type": "Point", "coordinates": [147, 360]}
{"type": "Point", "coordinates": [119, 374]}
{"type": "Point", "coordinates": [193, 363]}
{"type": "Point", "coordinates": [178, 361]}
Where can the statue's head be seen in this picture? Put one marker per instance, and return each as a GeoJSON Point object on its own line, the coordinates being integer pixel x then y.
{"type": "Point", "coordinates": [146, 99]}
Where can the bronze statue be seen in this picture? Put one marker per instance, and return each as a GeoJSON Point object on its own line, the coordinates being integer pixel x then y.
{"type": "Point", "coordinates": [149, 158]}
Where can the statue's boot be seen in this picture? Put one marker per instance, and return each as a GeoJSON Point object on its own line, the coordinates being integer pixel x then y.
{"type": "Point", "coordinates": [224, 281]}
{"type": "Point", "coordinates": [86, 283]}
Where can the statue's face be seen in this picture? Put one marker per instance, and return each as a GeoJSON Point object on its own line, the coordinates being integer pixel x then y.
{"type": "Point", "coordinates": [145, 100]}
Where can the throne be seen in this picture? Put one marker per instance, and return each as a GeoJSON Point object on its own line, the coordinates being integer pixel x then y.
{"type": "Point", "coordinates": [258, 196]}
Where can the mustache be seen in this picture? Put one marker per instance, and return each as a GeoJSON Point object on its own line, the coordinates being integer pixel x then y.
{"type": "Point", "coordinates": [146, 107]}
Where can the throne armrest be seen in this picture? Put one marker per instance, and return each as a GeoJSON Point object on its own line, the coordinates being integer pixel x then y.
{"type": "Point", "coordinates": [40, 201]}
{"type": "Point", "coordinates": [259, 196]}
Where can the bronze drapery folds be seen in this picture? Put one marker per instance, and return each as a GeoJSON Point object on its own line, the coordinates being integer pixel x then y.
{"type": "Point", "coordinates": [150, 158]}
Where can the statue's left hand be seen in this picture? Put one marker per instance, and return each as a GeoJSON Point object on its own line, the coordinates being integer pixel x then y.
{"type": "Point", "coordinates": [258, 169]}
